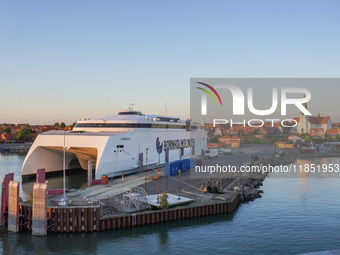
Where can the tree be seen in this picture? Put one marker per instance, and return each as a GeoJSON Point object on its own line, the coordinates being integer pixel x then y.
{"type": "Point", "coordinates": [72, 126]}
{"type": "Point", "coordinates": [308, 139]}
{"type": "Point", "coordinates": [62, 125]}
{"type": "Point", "coordinates": [164, 201]}
{"type": "Point", "coordinates": [337, 138]}
{"type": "Point", "coordinates": [56, 125]}
{"type": "Point", "coordinates": [7, 130]}
{"type": "Point", "coordinates": [213, 139]}
{"type": "Point", "coordinates": [24, 134]}
{"type": "Point", "coordinates": [287, 127]}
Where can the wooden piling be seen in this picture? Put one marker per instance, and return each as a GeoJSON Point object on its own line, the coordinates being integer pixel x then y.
{"type": "Point", "coordinates": [73, 220]}
{"type": "Point", "coordinates": [85, 219]}
{"type": "Point", "coordinates": [114, 223]}
{"type": "Point", "coordinates": [79, 219]}
{"type": "Point", "coordinates": [67, 220]}
{"type": "Point", "coordinates": [61, 220]}
{"type": "Point", "coordinates": [97, 219]}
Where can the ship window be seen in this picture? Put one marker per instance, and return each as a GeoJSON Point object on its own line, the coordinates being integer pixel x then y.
{"type": "Point", "coordinates": [130, 113]}
{"type": "Point", "coordinates": [129, 125]}
{"type": "Point", "coordinates": [120, 146]}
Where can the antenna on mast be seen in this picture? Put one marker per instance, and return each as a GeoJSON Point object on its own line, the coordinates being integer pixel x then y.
{"type": "Point", "coordinates": [131, 108]}
{"type": "Point", "coordinates": [165, 109]}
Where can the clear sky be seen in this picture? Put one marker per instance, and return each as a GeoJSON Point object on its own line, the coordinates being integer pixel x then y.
{"type": "Point", "coordinates": [63, 60]}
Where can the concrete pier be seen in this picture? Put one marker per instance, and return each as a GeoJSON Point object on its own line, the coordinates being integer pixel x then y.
{"type": "Point", "coordinates": [88, 218]}
{"type": "Point", "coordinates": [39, 215]}
{"type": "Point", "coordinates": [13, 207]}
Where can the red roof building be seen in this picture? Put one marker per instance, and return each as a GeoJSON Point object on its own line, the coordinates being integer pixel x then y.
{"type": "Point", "coordinates": [316, 132]}
{"type": "Point", "coordinates": [313, 124]}
{"type": "Point", "coordinates": [8, 137]}
{"type": "Point", "coordinates": [233, 142]}
{"type": "Point", "coordinates": [333, 132]}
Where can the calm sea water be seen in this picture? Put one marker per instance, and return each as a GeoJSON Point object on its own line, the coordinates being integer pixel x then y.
{"type": "Point", "coordinates": [12, 163]}
{"type": "Point", "coordinates": [294, 215]}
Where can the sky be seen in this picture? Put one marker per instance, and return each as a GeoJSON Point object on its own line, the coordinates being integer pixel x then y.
{"type": "Point", "coordinates": [61, 61]}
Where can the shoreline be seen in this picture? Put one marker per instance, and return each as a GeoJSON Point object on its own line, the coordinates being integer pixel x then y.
{"type": "Point", "coordinates": [292, 157]}
{"type": "Point", "coordinates": [15, 147]}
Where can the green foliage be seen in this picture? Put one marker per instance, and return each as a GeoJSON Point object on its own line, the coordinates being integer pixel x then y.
{"type": "Point", "coordinates": [56, 126]}
{"type": "Point", "coordinates": [24, 134]}
{"type": "Point", "coordinates": [308, 139]}
{"type": "Point", "coordinates": [7, 130]}
{"type": "Point", "coordinates": [286, 128]}
{"type": "Point", "coordinates": [164, 201]}
{"type": "Point", "coordinates": [252, 140]}
{"type": "Point", "coordinates": [30, 199]}
{"type": "Point", "coordinates": [72, 126]}
{"type": "Point", "coordinates": [271, 139]}
{"type": "Point", "coordinates": [213, 139]}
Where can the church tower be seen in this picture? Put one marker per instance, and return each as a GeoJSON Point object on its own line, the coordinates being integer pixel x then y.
{"type": "Point", "coordinates": [303, 126]}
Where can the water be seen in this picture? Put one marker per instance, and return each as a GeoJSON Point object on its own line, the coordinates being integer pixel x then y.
{"type": "Point", "coordinates": [12, 163]}
{"type": "Point", "coordinates": [295, 215]}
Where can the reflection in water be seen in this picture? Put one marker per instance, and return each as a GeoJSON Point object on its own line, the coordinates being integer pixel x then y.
{"type": "Point", "coordinates": [12, 162]}
{"type": "Point", "coordinates": [163, 238]}
{"type": "Point", "coordinates": [75, 178]}
{"type": "Point", "coordinates": [104, 242]}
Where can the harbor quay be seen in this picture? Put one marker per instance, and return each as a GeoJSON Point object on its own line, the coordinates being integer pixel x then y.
{"type": "Point", "coordinates": [115, 204]}
{"type": "Point", "coordinates": [102, 207]}
{"type": "Point", "coordinates": [135, 199]}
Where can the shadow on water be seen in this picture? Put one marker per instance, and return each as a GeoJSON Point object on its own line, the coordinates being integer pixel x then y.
{"type": "Point", "coordinates": [75, 179]}
{"type": "Point", "coordinates": [114, 240]}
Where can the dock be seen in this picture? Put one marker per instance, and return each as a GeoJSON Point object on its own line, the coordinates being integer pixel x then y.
{"type": "Point", "coordinates": [129, 201]}
{"type": "Point", "coordinates": [100, 207]}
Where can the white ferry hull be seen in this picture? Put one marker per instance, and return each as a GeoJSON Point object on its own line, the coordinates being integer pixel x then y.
{"type": "Point", "coordinates": [112, 153]}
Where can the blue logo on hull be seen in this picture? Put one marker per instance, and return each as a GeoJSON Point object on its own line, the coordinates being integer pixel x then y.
{"type": "Point", "coordinates": [159, 146]}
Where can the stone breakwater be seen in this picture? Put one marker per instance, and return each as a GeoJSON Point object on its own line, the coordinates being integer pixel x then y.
{"type": "Point", "coordinates": [289, 158]}
{"type": "Point", "coordinates": [248, 185]}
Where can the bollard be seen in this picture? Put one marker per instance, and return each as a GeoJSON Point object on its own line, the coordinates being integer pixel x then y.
{"type": "Point", "coordinates": [40, 177]}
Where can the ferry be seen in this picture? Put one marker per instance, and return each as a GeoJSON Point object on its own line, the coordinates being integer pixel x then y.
{"type": "Point", "coordinates": [116, 144]}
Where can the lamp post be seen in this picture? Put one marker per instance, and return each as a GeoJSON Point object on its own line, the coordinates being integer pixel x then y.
{"type": "Point", "coordinates": [146, 170]}
{"type": "Point", "coordinates": [179, 173]}
{"type": "Point", "coordinates": [64, 175]}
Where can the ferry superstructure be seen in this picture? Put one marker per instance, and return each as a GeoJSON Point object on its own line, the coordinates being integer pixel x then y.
{"type": "Point", "coordinates": [116, 144]}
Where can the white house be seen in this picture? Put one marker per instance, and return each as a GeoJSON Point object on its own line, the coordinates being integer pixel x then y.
{"type": "Point", "coordinates": [308, 124]}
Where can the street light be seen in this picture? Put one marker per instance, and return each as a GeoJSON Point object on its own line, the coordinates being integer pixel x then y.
{"type": "Point", "coordinates": [64, 175]}
{"type": "Point", "coordinates": [63, 201]}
